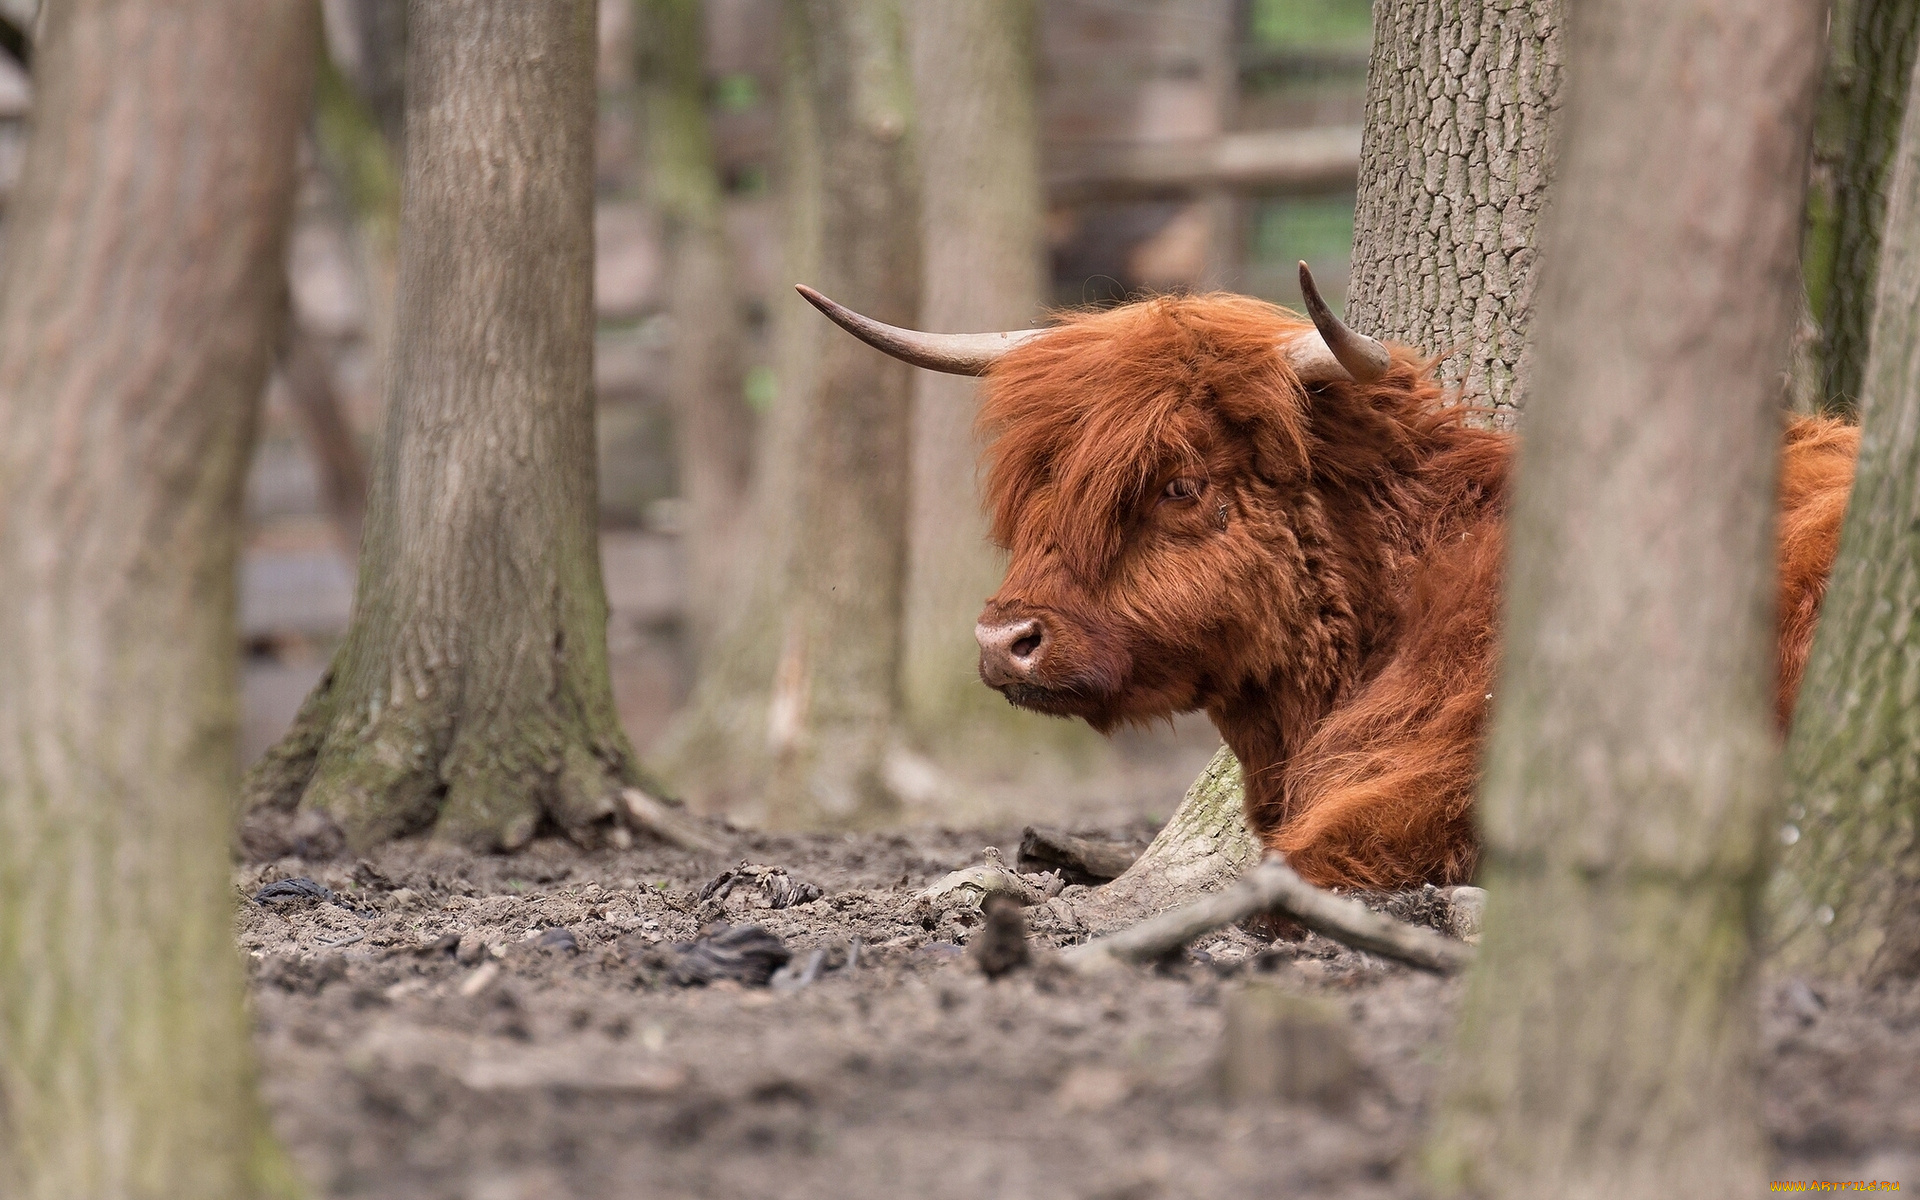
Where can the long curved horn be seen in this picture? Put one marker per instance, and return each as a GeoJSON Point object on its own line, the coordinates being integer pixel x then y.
{"type": "Point", "coordinates": [953, 353]}
{"type": "Point", "coordinates": [1338, 353]}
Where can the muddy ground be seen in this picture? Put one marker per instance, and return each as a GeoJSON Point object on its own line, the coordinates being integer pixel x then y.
{"type": "Point", "coordinates": [425, 1034]}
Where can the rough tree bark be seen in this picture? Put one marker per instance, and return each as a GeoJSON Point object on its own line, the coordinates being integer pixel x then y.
{"type": "Point", "coordinates": [833, 714]}
{"type": "Point", "coordinates": [1847, 895]}
{"type": "Point", "coordinates": [1454, 166]}
{"type": "Point", "coordinates": [1870, 58]}
{"type": "Point", "coordinates": [471, 693]}
{"type": "Point", "coordinates": [1607, 1041]}
{"type": "Point", "coordinates": [139, 307]}
{"type": "Point", "coordinates": [713, 427]}
{"type": "Point", "coordinates": [985, 267]}
{"type": "Point", "coordinates": [1462, 100]}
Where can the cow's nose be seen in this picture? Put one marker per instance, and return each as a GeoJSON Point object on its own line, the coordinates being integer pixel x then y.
{"type": "Point", "coordinates": [1010, 652]}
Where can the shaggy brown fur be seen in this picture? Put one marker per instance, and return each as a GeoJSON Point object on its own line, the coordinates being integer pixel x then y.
{"type": "Point", "coordinates": [1318, 570]}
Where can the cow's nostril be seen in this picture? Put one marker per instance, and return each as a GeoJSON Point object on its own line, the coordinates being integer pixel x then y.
{"type": "Point", "coordinates": [1011, 652]}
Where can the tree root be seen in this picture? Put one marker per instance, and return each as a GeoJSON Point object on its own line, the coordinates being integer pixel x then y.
{"type": "Point", "coordinates": [1274, 887]}
{"type": "Point", "coordinates": [1202, 848]}
{"type": "Point", "coordinates": [334, 784]}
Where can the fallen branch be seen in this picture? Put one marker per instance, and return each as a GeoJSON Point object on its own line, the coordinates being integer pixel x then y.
{"type": "Point", "coordinates": [1080, 859]}
{"type": "Point", "coordinates": [1274, 887]}
{"type": "Point", "coordinates": [646, 813]}
{"type": "Point", "coordinates": [1271, 161]}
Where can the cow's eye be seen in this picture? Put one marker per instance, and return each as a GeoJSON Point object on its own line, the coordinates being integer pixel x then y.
{"type": "Point", "coordinates": [1184, 488]}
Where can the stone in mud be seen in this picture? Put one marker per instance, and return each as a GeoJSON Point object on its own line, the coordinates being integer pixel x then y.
{"type": "Point", "coordinates": [293, 891]}
{"type": "Point", "coordinates": [1000, 945]}
{"type": "Point", "coordinates": [1286, 1047]}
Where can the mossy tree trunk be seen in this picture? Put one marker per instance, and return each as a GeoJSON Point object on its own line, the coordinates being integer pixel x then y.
{"type": "Point", "coordinates": [471, 694]}
{"type": "Point", "coordinates": [1848, 889]}
{"type": "Point", "coordinates": [1462, 99]}
{"type": "Point", "coordinates": [1870, 58]}
{"type": "Point", "coordinates": [1608, 1036]}
{"type": "Point", "coordinates": [713, 427]}
{"type": "Point", "coordinates": [139, 306]}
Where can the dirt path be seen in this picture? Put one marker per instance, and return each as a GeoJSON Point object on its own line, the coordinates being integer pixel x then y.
{"type": "Point", "coordinates": [517, 1068]}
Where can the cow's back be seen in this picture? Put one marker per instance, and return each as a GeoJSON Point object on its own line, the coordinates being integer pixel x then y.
{"type": "Point", "coordinates": [1381, 795]}
{"type": "Point", "coordinates": [1816, 474]}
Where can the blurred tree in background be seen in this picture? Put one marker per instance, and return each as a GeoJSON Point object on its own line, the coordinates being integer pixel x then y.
{"type": "Point", "coordinates": [801, 702]}
{"type": "Point", "coordinates": [140, 303]}
{"type": "Point", "coordinates": [713, 426]}
{"type": "Point", "coordinates": [1609, 1032]}
{"type": "Point", "coordinates": [833, 714]}
{"type": "Point", "coordinates": [471, 694]}
{"type": "Point", "coordinates": [1848, 889]}
{"type": "Point", "coordinates": [985, 268]}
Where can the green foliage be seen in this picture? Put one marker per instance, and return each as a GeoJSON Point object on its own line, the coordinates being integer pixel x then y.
{"type": "Point", "coordinates": [1316, 228]}
{"type": "Point", "coordinates": [760, 387]}
{"type": "Point", "coordinates": [356, 153]}
{"type": "Point", "coordinates": [1310, 24]}
{"type": "Point", "coordinates": [736, 92]}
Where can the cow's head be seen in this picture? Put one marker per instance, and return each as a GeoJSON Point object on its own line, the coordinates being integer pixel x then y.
{"type": "Point", "coordinates": [1148, 473]}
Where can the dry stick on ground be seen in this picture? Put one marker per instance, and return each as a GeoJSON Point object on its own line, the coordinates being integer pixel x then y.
{"type": "Point", "coordinates": [1274, 887]}
{"type": "Point", "coordinates": [675, 828]}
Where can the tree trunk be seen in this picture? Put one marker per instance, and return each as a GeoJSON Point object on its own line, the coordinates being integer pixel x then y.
{"type": "Point", "coordinates": [985, 257]}
{"type": "Point", "coordinates": [718, 751]}
{"type": "Point", "coordinates": [1607, 1040]}
{"type": "Point", "coordinates": [1870, 58]}
{"type": "Point", "coordinates": [713, 427]}
{"type": "Point", "coordinates": [1454, 168]}
{"type": "Point", "coordinates": [1848, 890]}
{"type": "Point", "coordinates": [471, 694]}
{"type": "Point", "coordinates": [139, 308]}
{"type": "Point", "coordinates": [833, 712]}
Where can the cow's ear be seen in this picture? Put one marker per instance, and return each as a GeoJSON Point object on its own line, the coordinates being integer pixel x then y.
{"type": "Point", "coordinates": [1265, 407]}
{"type": "Point", "coordinates": [1279, 447]}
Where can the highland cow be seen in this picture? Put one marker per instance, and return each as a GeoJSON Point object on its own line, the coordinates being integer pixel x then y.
{"type": "Point", "coordinates": [1212, 504]}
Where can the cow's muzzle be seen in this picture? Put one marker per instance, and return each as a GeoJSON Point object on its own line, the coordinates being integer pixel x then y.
{"type": "Point", "coordinates": [1011, 652]}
